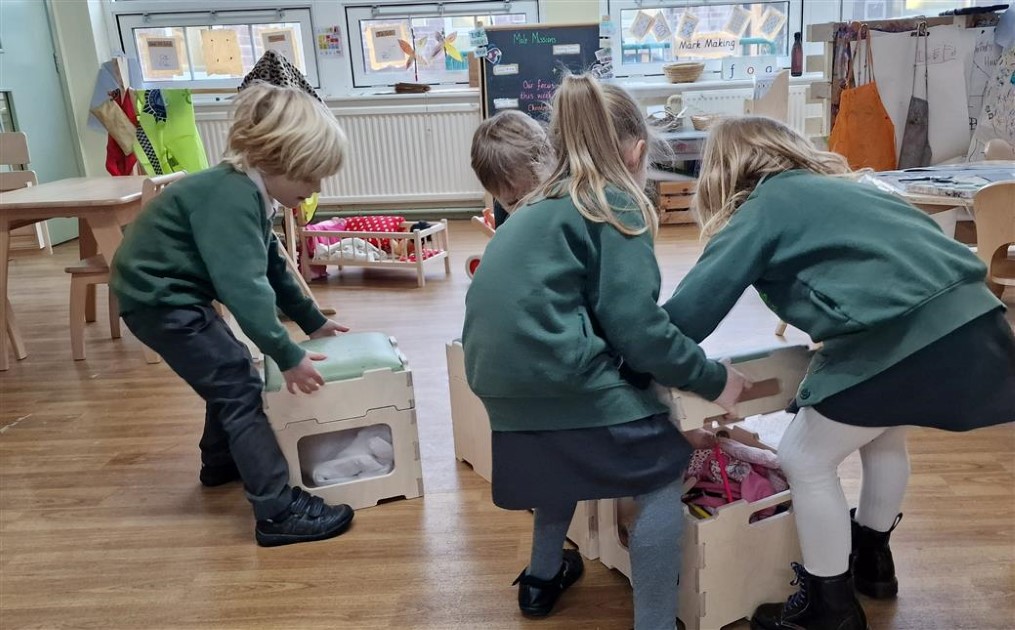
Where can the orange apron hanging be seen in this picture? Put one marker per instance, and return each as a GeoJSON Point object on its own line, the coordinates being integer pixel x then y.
{"type": "Point", "coordinates": [863, 133]}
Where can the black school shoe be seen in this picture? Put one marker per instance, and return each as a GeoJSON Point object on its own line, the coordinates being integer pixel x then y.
{"type": "Point", "coordinates": [536, 597]}
{"type": "Point", "coordinates": [219, 475]}
{"type": "Point", "coordinates": [306, 519]}
{"type": "Point", "coordinates": [822, 603]}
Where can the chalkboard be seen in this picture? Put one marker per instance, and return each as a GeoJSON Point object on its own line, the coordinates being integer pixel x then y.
{"type": "Point", "coordinates": [531, 62]}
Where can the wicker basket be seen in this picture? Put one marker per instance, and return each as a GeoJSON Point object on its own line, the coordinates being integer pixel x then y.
{"type": "Point", "coordinates": [701, 122]}
{"type": "Point", "coordinates": [683, 72]}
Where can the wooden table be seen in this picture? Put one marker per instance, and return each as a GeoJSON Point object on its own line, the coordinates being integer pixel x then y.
{"type": "Point", "coordinates": [101, 204]}
{"type": "Point", "coordinates": [931, 202]}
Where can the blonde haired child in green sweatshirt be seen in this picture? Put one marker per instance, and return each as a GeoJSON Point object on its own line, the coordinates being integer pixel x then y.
{"type": "Point", "coordinates": [209, 237]}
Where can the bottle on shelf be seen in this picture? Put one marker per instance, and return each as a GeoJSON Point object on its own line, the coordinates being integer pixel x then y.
{"type": "Point", "coordinates": [797, 56]}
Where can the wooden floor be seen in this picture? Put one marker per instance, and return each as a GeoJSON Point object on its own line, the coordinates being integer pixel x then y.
{"type": "Point", "coordinates": [103, 523]}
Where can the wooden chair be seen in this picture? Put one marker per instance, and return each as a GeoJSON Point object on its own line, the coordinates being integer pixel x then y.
{"type": "Point", "coordinates": [14, 153]}
{"type": "Point", "coordinates": [998, 149]}
{"type": "Point", "coordinates": [94, 271]}
{"type": "Point", "coordinates": [994, 213]}
{"type": "Point", "coordinates": [15, 156]}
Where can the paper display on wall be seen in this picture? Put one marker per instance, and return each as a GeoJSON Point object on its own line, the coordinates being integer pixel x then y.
{"type": "Point", "coordinates": [997, 119]}
{"type": "Point", "coordinates": [661, 28]}
{"type": "Point", "coordinates": [687, 25]}
{"type": "Point", "coordinates": [894, 54]}
{"type": "Point", "coordinates": [385, 50]}
{"type": "Point", "coordinates": [329, 41]}
{"type": "Point", "coordinates": [282, 41]}
{"type": "Point", "coordinates": [221, 51]}
{"type": "Point", "coordinates": [642, 23]}
{"type": "Point", "coordinates": [163, 56]}
{"type": "Point", "coordinates": [739, 19]}
{"type": "Point", "coordinates": [771, 23]}
{"type": "Point", "coordinates": [980, 71]}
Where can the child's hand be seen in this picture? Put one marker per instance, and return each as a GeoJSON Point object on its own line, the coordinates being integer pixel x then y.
{"type": "Point", "coordinates": [736, 385]}
{"type": "Point", "coordinates": [329, 329]}
{"type": "Point", "coordinates": [305, 376]}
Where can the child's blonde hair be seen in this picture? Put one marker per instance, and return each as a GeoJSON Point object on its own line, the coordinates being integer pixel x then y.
{"type": "Point", "coordinates": [284, 131]}
{"type": "Point", "coordinates": [592, 126]}
{"type": "Point", "coordinates": [507, 147]}
{"type": "Point", "coordinates": [742, 151]}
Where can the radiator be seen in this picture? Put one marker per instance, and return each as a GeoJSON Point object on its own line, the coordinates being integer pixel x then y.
{"type": "Point", "coordinates": [731, 103]}
{"type": "Point", "coordinates": [398, 155]}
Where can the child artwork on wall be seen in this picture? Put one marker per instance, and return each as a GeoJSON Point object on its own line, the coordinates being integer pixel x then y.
{"type": "Point", "coordinates": [687, 25]}
{"type": "Point", "coordinates": [771, 23]}
{"type": "Point", "coordinates": [221, 51]}
{"type": "Point", "coordinates": [384, 46]}
{"type": "Point", "coordinates": [641, 25]}
{"type": "Point", "coordinates": [997, 119]}
{"type": "Point", "coordinates": [738, 21]}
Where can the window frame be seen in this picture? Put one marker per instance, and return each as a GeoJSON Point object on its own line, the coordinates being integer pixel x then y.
{"type": "Point", "coordinates": [250, 15]}
{"type": "Point", "coordinates": [407, 10]}
{"type": "Point", "coordinates": [655, 69]}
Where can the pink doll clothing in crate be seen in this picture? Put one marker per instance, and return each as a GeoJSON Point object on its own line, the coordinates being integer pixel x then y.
{"type": "Point", "coordinates": [752, 478]}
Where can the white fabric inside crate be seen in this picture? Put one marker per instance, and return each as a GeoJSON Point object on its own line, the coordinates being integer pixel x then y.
{"type": "Point", "coordinates": [344, 456]}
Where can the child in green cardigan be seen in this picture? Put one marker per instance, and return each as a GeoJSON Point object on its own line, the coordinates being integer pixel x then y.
{"type": "Point", "coordinates": [564, 301]}
{"type": "Point", "coordinates": [209, 237]}
{"type": "Point", "coordinates": [911, 336]}
{"type": "Point", "coordinates": [511, 155]}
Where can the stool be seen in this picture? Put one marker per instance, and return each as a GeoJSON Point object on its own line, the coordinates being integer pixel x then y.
{"type": "Point", "coordinates": [473, 439]}
{"type": "Point", "coordinates": [367, 400]}
{"type": "Point", "coordinates": [86, 273]}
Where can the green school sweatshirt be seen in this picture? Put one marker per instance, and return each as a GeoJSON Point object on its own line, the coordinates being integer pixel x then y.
{"type": "Point", "coordinates": [555, 303]}
{"type": "Point", "coordinates": [208, 237]}
{"type": "Point", "coordinates": [859, 269]}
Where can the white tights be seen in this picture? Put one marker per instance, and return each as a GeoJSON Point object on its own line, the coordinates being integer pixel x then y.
{"type": "Point", "coordinates": [810, 454]}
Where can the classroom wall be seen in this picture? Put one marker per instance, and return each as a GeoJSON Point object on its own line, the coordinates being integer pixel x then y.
{"type": "Point", "coordinates": [569, 11]}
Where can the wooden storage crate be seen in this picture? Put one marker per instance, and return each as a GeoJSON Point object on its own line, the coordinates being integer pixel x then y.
{"type": "Point", "coordinates": [776, 374]}
{"type": "Point", "coordinates": [729, 565]}
{"type": "Point", "coordinates": [471, 428]}
{"type": "Point", "coordinates": [368, 383]}
{"type": "Point", "coordinates": [675, 201]}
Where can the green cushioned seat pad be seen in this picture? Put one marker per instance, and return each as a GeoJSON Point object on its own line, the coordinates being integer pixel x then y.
{"type": "Point", "coordinates": [349, 356]}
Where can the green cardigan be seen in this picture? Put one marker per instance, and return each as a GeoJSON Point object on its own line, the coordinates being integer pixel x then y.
{"type": "Point", "coordinates": [856, 268]}
{"type": "Point", "coordinates": [556, 302]}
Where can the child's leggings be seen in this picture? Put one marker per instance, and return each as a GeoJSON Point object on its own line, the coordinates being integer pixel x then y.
{"type": "Point", "coordinates": [810, 454]}
{"type": "Point", "coordinates": [655, 553]}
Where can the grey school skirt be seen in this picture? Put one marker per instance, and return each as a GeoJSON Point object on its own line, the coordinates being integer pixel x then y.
{"type": "Point", "coordinates": [961, 382]}
{"type": "Point", "coordinates": [533, 469]}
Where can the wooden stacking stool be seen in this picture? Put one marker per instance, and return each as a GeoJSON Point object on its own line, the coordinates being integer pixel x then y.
{"type": "Point", "coordinates": [471, 427]}
{"type": "Point", "coordinates": [368, 391]}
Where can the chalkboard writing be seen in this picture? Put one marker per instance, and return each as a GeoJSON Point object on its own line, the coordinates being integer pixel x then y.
{"type": "Point", "coordinates": [537, 58]}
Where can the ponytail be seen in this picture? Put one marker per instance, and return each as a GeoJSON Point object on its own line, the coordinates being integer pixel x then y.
{"type": "Point", "coordinates": [592, 127]}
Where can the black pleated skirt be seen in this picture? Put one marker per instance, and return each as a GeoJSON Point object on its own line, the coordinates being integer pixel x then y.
{"type": "Point", "coordinates": [961, 382]}
{"type": "Point", "coordinates": [533, 469]}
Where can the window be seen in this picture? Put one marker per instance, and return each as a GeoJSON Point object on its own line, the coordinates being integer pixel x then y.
{"type": "Point", "coordinates": [887, 9]}
{"type": "Point", "coordinates": [215, 48]}
{"type": "Point", "coordinates": [652, 33]}
{"type": "Point", "coordinates": [423, 43]}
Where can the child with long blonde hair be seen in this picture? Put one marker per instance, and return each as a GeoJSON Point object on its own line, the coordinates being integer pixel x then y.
{"type": "Point", "coordinates": [209, 237]}
{"type": "Point", "coordinates": [564, 302]}
{"type": "Point", "coordinates": [911, 336]}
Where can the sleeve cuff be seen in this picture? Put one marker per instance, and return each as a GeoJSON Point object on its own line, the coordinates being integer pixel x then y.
{"type": "Point", "coordinates": [288, 356]}
{"type": "Point", "coordinates": [712, 382]}
{"type": "Point", "coordinates": [310, 319]}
